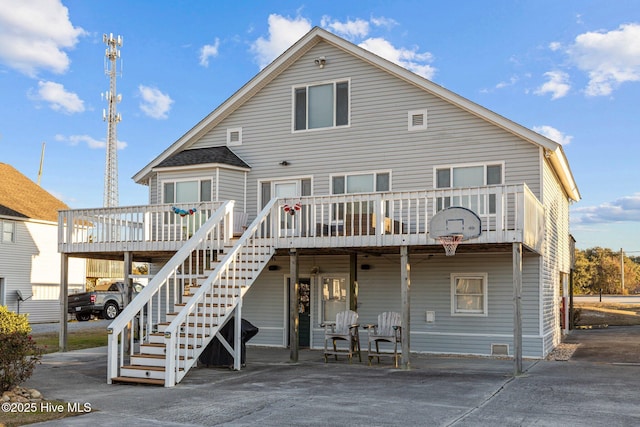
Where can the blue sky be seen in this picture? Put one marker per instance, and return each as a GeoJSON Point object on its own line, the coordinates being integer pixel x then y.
{"type": "Point", "coordinates": [568, 69]}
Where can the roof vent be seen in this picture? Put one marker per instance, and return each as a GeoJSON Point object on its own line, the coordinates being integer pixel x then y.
{"type": "Point", "coordinates": [234, 136]}
{"type": "Point", "coordinates": [417, 120]}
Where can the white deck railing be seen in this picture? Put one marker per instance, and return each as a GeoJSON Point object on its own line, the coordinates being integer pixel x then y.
{"type": "Point", "coordinates": [509, 213]}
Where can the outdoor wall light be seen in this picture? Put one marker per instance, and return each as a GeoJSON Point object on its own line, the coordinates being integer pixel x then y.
{"type": "Point", "coordinates": [320, 61]}
{"type": "Point", "coordinates": [284, 163]}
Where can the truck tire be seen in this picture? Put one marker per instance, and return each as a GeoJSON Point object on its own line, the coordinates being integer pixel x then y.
{"type": "Point", "coordinates": [83, 317]}
{"type": "Point", "coordinates": [110, 310]}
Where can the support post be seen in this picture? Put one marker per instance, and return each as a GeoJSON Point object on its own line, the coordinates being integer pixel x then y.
{"type": "Point", "coordinates": [405, 278]}
{"type": "Point", "coordinates": [64, 301]}
{"type": "Point", "coordinates": [128, 280]}
{"type": "Point", "coordinates": [353, 282]}
{"type": "Point", "coordinates": [237, 337]}
{"type": "Point", "coordinates": [517, 308]}
{"type": "Point", "coordinates": [293, 305]}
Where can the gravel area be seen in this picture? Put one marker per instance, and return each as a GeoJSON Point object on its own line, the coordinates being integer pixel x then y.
{"type": "Point", "coordinates": [563, 352]}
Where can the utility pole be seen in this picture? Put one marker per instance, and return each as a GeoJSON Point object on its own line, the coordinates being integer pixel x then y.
{"type": "Point", "coordinates": [112, 118]}
{"type": "Point", "coordinates": [622, 269]}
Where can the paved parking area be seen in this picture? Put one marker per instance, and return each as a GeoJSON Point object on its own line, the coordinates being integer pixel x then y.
{"type": "Point", "coordinates": [271, 391]}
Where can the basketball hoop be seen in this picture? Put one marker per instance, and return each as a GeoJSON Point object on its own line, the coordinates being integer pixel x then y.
{"type": "Point", "coordinates": [450, 243]}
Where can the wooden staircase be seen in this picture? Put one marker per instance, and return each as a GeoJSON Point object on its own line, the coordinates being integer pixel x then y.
{"type": "Point", "coordinates": [179, 334]}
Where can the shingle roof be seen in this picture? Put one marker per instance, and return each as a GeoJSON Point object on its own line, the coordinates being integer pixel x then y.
{"type": "Point", "coordinates": [23, 198]}
{"type": "Point", "coordinates": [200, 156]}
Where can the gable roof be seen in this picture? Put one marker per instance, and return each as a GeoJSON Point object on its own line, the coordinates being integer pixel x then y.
{"type": "Point", "coordinates": [553, 150]}
{"type": "Point", "coordinates": [216, 155]}
{"type": "Point", "coordinates": [22, 198]}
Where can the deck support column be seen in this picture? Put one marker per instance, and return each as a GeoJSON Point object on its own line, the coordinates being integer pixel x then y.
{"type": "Point", "coordinates": [237, 337]}
{"type": "Point", "coordinates": [517, 308]}
{"type": "Point", "coordinates": [128, 280]}
{"type": "Point", "coordinates": [64, 302]}
{"type": "Point", "coordinates": [294, 291]}
{"type": "Point", "coordinates": [405, 278]}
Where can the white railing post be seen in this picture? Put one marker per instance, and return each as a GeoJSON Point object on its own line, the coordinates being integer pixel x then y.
{"type": "Point", "coordinates": [170, 360]}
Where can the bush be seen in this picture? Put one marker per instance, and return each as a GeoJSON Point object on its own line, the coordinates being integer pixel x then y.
{"type": "Point", "coordinates": [13, 322]}
{"type": "Point", "coordinates": [18, 352]}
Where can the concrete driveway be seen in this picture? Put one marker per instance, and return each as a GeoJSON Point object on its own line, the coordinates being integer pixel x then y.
{"type": "Point", "coordinates": [271, 391]}
{"type": "Point", "coordinates": [614, 344]}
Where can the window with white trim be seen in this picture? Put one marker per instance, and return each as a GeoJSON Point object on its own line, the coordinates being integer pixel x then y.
{"type": "Point", "coordinates": [7, 231]}
{"type": "Point", "coordinates": [469, 176]}
{"type": "Point", "coordinates": [186, 191]}
{"type": "Point", "coordinates": [334, 297]}
{"type": "Point", "coordinates": [321, 106]}
{"type": "Point", "coordinates": [359, 183]}
{"type": "Point", "coordinates": [469, 294]}
{"type": "Point", "coordinates": [234, 137]}
{"type": "Point", "coordinates": [417, 119]}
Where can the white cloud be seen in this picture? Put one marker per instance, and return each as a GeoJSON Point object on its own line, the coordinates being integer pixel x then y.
{"type": "Point", "coordinates": [283, 32]}
{"type": "Point", "coordinates": [57, 97]}
{"type": "Point", "coordinates": [209, 51]}
{"type": "Point", "coordinates": [410, 59]}
{"type": "Point", "coordinates": [388, 23]}
{"type": "Point", "coordinates": [554, 46]}
{"type": "Point", "coordinates": [513, 80]}
{"type": "Point", "coordinates": [155, 104]}
{"type": "Point", "coordinates": [75, 140]}
{"type": "Point", "coordinates": [610, 58]}
{"type": "Point", "coordinates": [557, 85]}
{"type": "Point", "coordinates": [624, 209]}
{"type": "Point", "coordinates": [553, 134]}
{"type": "Point", "coordinates": [350, 30]}
{"type": "Point", "coordinates": [35, 35]}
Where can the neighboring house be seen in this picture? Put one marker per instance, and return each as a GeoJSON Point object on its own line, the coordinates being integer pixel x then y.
{"type": "Point", "coordinates": [29, 258]}
{"type": "Point", "coordinates": [363, 153]}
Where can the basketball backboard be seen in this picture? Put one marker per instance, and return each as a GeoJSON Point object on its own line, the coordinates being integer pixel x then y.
{"type": "Point", "coordinates": [455, 220]}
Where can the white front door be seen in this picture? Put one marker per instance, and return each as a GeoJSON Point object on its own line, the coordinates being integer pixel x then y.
{"type": "Point", "coordinates": [290, 192]}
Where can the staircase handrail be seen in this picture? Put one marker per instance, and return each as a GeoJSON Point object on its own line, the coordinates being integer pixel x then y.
{"type": "Point", "coordinates": [171, 330]}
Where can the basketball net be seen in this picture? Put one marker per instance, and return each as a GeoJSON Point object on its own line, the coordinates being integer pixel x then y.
{"type": "Point", "coordinates": [450, 243]}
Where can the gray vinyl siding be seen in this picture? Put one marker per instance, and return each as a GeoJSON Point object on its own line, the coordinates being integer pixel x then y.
{"type": "Point", "coordinates": [379, 290]}
{"type": "Point", "coordinates": [556, 256]}
{"type": "Point", "coordinates": [377, 137]}
{"type": "Point", "coordinates": [31, 265]}
{"type": "Point", "coordinates": [231, 187]}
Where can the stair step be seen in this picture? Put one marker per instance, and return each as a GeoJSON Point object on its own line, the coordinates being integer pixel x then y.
{"type": "Point", "coordinates": [135, 380]}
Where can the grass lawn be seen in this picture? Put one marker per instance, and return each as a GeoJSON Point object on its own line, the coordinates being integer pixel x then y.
{"type": "Point", "coordinates": [605, 313]}
{"type": "Point", "coordinates": [76, 340]}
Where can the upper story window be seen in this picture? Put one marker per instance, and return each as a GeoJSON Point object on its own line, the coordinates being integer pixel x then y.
{"type": "Point", "coordinates": [7, 231]}
{"type": "Point", "coordinates": [321, 106]}
{"type": "Point", "coordinates": [469, 176]}
{"type": "Point", "coordinates": [187, 191]}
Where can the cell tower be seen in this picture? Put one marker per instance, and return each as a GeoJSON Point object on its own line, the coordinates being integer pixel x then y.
{"type": "Point", "coordinates": [112, 118]}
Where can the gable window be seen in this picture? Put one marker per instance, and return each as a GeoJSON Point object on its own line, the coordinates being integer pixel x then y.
{"type": "Point", "coordinates": [321, 106]}
{"type": "Point", "coordinates": [7, 231]}
{"type": "Point", "coordinates": [469, 176]}
{"type": "Point", "coordinates": [469, 294]}
{"type": "Point", "coordinates": [187, 191]}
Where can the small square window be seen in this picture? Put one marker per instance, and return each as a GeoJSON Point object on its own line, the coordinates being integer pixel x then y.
{"type": "Point", "coordinates": [417, 119]}
{"type": "Point", "coordinates": [234, 137]}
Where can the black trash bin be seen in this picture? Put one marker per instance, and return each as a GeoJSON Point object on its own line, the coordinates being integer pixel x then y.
{"type": "Point", "coordinates": [215, 355]}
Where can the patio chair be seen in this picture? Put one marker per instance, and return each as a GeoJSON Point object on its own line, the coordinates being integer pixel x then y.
{"type": "Point", "coordinates": [388, 329]}
{"type": "Point", "coordinates": [345, 329]}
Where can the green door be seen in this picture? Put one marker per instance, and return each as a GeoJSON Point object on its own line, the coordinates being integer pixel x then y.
{"type": "Point", "coordinates": [304, 313]}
